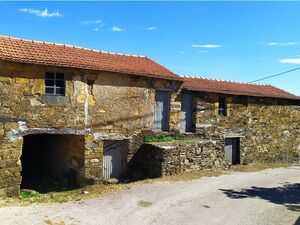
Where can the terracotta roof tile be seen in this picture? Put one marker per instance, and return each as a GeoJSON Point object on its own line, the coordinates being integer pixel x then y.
{"type": "Point", "coordinates": [43, 53]}
{"type": "Point", "coordinates": [235, 88]}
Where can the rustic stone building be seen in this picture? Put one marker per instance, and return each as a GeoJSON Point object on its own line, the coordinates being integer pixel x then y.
{"type": "Point", "coordinates": [71, 116]}
{"type": "Point", "coordinates": [65, 108]}
{"type": "Point", "coordinates": [255, 122]}
{"type": "Point", "coordinates": [233, 122]}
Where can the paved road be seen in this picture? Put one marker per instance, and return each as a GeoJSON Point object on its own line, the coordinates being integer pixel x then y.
{"type": "Point", "coordinates": [265, 197]}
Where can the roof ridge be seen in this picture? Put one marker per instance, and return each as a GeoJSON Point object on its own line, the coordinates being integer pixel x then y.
{"type": "Point", "coordinates": [73, 46]}
{"type": "Point", "coordinates": [222, 80]}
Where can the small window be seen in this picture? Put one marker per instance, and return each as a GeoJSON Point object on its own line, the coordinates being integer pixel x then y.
{"type": "Point", "coordinates": [55, 83]}
{"type": "Point", "coordinates": [222, 106]}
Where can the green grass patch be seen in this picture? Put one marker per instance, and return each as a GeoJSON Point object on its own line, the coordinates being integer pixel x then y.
{"type": "Point", "coordinates": [27, 194]}
{"type": "Point", "coordinates": [167, 138]}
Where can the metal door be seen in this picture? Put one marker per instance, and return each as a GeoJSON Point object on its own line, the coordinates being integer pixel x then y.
{"type": "Point", "coordinates": [113, 159]}
{"type": "Point", "coordinates": [186, 115]}
{"type": "Point", "coordinates": [161, 110]}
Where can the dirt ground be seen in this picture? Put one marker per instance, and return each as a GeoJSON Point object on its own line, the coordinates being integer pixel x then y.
{"type": "Point", "coordinates": [265, 197]}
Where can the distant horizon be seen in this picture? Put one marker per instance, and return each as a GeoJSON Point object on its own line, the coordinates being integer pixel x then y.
{"type": "Point", "coordinates": [234, 41]}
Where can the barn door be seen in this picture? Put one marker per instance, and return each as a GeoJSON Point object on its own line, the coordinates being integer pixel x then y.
{"type": "Point", "coordinates": [161, 110]}
{"type": "Point", "coordinates": [114, 153]}
{"type": "Point", "coordinates": [186, 120]}
{"type": "Point", "coordinates": [232, 150]}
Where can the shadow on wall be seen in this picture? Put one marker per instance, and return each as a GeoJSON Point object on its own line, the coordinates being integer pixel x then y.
{"type": "Point", "coordinates": [146, 163]}
{"type": "Point", "coordinates": [124, 119]}
{"type": "Point", "coordinates": [287, 195]}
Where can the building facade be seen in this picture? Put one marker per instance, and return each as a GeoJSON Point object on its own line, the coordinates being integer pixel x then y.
{"type": "Point", "coordinates": [64, 116]}
{"type": "Point", "coordinates": [71, 116]}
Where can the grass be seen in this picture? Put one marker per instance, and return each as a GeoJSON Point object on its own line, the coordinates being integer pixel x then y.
{"type": "Point", "coordinates": [28, 197]}
{"type": "Point", "coordinates": [254, 167]}
{"type": "Point", "coordinates": [26, 194]}
{"type": "Point", "coordinates": [167, 138]}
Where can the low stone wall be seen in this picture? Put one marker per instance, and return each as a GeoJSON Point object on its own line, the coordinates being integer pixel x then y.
{"type": "Point", "coordinates": [160, 159]}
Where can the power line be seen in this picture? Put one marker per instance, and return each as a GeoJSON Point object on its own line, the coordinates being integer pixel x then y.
{"type": "Point", "coordinates": [275, 75]}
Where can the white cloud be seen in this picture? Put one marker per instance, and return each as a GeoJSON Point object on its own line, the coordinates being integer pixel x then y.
{"type": "Point", "coordinates": [41, 13]}
{"type": "Point", "coordinates": [151, 28]}
{"type": "Point", "coordinates": [182, 52]}
{"type": "Point", "coordinates": [91, 22]}
{"type": "Point", "coordinates": [283, 44]}
{"type": "Point", "coordinates": [202, 51]}
{"type": "Point", "coordinates": [290, 61]}
{"type": "Point", "coordinates": [206, 46]}
{"type": "Point", "coordinates": [117, 29]}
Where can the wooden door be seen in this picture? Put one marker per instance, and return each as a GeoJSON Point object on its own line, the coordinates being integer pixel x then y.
{"type": "Point", "coordinates": [161, 110]}
{"type": "Point", "coordinates": [114, 153]}
{"type": "Point", "coordinates": [186, 115]}
{"type": "Point", "coordinates": [232, 150]}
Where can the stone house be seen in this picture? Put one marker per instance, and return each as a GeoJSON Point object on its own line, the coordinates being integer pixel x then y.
{"type": "Point", "coordinates": [67, 112]}
{"type": "Point", "coordinates": [254, 122]}
{"type": "Point", "coordinates": [234, 123]}
{"type": "Point", "coordinates": [71, 116]}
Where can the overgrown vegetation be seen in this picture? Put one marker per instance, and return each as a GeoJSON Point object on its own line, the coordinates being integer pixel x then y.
{"type": "Point", "coordinates": [168, 138]}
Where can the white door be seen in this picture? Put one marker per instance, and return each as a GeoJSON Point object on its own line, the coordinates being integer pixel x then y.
{"type": "Point", "coordinates": [114, 153]}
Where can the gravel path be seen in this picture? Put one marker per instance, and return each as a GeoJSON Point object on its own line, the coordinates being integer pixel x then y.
{"type": "Point", "coordinates": [266, 197]}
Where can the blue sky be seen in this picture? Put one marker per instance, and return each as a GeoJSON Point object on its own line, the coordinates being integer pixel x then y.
{"type": "Point", "coordinates": [240, 41]}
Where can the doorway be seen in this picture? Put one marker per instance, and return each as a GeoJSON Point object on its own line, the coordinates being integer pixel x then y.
{"type": "Point", "coordinates": [52, 162]}
{"type": "Point", "coordinates": [114, 158]}
{"type": "Point", "coordinates": [232, 150]}
{"type": "Point", "coordinates": [161, 110]}
{"type": "Point", "coordinates": [186, 114]}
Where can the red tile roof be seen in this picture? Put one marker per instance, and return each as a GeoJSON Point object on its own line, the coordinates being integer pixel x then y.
{"type": "Point", "coordinates": [235, 88]}
{"type": "Point", "coordinates": [41, 53]}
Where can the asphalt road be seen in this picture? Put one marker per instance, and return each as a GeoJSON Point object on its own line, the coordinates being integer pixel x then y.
{"type": "Point", "coordinates": [266, 197]}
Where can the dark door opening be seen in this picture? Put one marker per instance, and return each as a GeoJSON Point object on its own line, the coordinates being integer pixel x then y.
{"type": "Point", "coordinates": [52, 162]}
{"type": "Point", "coordinates": [232, 150]}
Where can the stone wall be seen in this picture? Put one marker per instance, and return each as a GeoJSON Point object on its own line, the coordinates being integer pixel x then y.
{"type": "Point", "coordinates": [160, 159]}
{"type": "Point", "coordinates": [10, 164]}
{"type": "Point", "coordinates": [270, 128]}
{"type": "Point", "coordinates": [111, 103]}
{"type": "Point", "coordinates": [93, 159]}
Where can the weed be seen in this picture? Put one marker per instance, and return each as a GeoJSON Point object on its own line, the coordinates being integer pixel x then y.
{"type": "Point", "coordinates": [26, 194]}
{"type": "Point", "coordinates": [167, 138]}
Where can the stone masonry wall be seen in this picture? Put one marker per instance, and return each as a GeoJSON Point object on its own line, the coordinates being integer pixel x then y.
{"type": "Point", "coordinates": [10, 164]}
{"type": "Point", "coordinates": [124, 104]}
{"type": "Point", "coordinates": [270, 128]}
{"type": "Point", "coordinates": [160, 159]}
